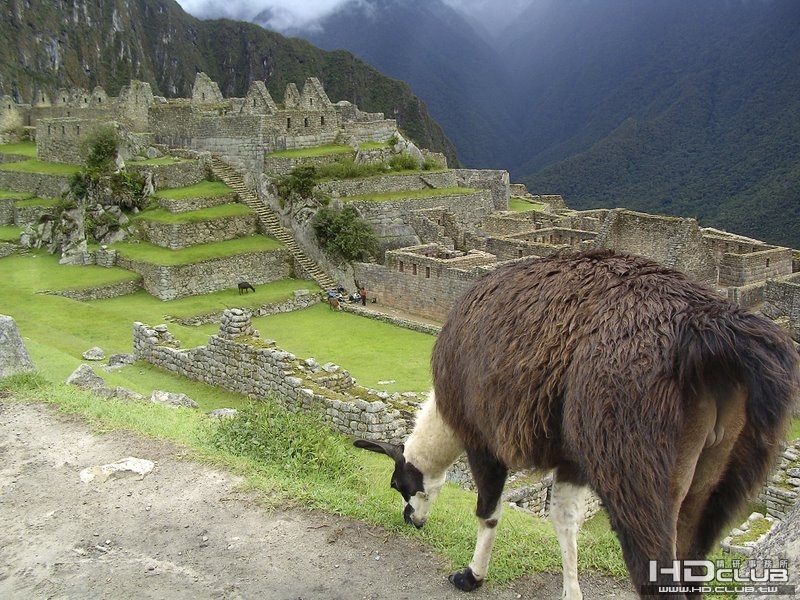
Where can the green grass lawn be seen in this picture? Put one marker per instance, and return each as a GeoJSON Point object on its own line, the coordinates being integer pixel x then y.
{"type": "Point", "coordinates": [371, 351]}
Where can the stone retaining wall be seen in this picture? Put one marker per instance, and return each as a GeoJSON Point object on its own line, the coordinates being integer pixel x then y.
{"type": "Point", "coordinates": [177, 281]}
{"type": "Point", "coordinates": [782, 490]}
{"type": "Point", "coordinates": [113, 290]}
{"type": "Point", "coordinates": [301, 299]}
{"type": "Point", "coordinates": [238, 360]}
{"type": "Point", "coordinates": [196, 203]}
{"type": "Point", "coordinates": [31, 214]}
{"type": "Point", "coordinates": [36, 184]}
{"type": "Point", "coordinates": [182, 235]}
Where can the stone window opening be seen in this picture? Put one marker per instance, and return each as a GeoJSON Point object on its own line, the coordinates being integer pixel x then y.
{"type": "Point", "coordinates": [305, 122]}
{"type": "Point", "coordinates": [63, 130]}
{"type": "Point", "coordinates": [288, 122]}
{"type": "Point", "coordinates": [322, 120]}
{"type": "Point", "coordinates": [400, 266]}
{"type": "Point", "coordinates": [427, 272]}
{"type": "Point", "coordinates": [311, 102]}
{"type": "Point", "coordinates": [414, 269]}
{"type": "Point", "coordinates": [254, 102]}
{"type": "Point", "coordinates": [767, 262]}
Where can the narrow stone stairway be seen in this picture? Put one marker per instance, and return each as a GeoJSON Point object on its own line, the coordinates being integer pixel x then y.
{"type": "Point", "coordinates": [272, 224]}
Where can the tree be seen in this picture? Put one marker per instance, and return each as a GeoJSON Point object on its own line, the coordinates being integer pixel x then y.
{"type": "Point", "coordinates": [344, 234]}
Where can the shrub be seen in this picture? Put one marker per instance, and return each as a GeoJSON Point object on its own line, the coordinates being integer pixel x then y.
{"type": "Point", "coordinates": [403, 162]}
{"type": "Point", "coordinates": [344, 234]}
{"type": "Point", "coordinates": [300, 181]}
{"type": "Point", "coordinates": [100, 149]}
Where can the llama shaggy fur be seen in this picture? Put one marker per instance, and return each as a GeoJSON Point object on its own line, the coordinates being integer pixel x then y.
{"type": "Point", "coordinates": [617, 373]}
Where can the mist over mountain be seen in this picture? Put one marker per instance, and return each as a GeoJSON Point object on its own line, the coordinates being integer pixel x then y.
{"type": "Point", "coordinates": [435, 48]}
{"type": "Point", "coordinates": [675, 107]}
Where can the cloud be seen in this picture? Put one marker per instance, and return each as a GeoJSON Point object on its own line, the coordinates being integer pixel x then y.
{"type": "Point", "coordinates": [288, 15]}
{"type": "Point", "coordinates": [280, 15]}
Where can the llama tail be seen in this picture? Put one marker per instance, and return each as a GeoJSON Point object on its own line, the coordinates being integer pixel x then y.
{"type": "Point", "coordinates": [716, 354]}
{"type": "Point", "coordinates": [719, 351]}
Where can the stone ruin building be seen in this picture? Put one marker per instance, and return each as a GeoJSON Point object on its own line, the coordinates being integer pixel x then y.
{"type": "Point", "coordinates": [431, 248]}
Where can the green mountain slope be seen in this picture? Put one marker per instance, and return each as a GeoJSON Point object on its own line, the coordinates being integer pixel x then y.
{"type": "Point", "coordinates": [678, 107]}
{"type": "Point", "coordinates": [79, 43]}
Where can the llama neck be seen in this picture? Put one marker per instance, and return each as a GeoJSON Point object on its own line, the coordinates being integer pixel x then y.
{"type": "Point", "coordinates": [432, 446]}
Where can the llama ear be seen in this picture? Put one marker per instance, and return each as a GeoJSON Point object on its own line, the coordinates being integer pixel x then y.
{"type": "Point", "coordinates": [391, 450]}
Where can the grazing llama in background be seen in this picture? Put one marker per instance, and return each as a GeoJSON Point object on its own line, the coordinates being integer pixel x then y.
{"type": "Point", "coordinates": [244, 286]}
{"type": "Point", "coordinates": [333, 303]}
{"type": "Point", "coordinates": [620, 375]}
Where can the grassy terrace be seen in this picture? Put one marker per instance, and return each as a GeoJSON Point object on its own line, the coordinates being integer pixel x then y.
{"type": "Point", "coordinates": [204, 189]}
{"type": "Point", "coordinates": [520, 205]}
{"type": "Point", "coordinates": [156, 255]}
{"type": "Point", "coordinates": [9, 195]}
{"type": "Point", "coordinates": [311, 152]}
{"type": "Point", "coordinates": [37, 202]}
{"type": "Point", "coordinates": [39, 167]}
{"type": "Point", "coordinates": [10, 233]}
{"type": "Point", "coordinates": [21, 148]}
{"type": "Point", "coordinates": [414, 194]}
{"type": "Point", "coordinates": [194, 216]}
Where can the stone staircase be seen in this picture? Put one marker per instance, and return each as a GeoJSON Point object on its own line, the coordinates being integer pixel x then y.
{"type": "Point", "coordinates": [272, 224]}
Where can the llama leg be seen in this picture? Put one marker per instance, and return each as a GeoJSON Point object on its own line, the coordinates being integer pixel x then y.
{"type": "Point", "coordinates": [567, 511]}
{"type": "Point", "coordinates": [490, 476]}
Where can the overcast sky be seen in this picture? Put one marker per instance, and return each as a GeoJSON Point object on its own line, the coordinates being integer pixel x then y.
{"type": "Point", "coordinates": [289, 14]}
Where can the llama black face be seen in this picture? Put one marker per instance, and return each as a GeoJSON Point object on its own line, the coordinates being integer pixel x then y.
{"type": "Point", "coordinates": [406, 479]}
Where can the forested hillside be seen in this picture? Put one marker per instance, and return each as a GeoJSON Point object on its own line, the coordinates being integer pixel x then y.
{"type": "Point", "coordinates": [82, 43]}
{"type": "Point", "coordinates": [685, 108]}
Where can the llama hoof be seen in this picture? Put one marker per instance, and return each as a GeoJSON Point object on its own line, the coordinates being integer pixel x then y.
{"type": "Point", "coordinates": [465, 580]}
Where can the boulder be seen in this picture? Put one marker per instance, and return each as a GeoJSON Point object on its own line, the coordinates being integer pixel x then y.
{"type": "Point", "coordinates": [14, 357]}
{"type": "Point", "coordinates": [94, 353]}
{"type": "Point", "coordinates": [85, 377]}
{"type": "Point", "coordinates": [173, 399]}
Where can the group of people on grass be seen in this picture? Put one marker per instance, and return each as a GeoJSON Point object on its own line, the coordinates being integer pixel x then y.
{"type": "Point", "coordinates": [340, 293]}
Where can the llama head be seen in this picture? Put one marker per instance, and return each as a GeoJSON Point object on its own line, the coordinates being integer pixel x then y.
{"type": "Point", "coordinates": [417, 489]}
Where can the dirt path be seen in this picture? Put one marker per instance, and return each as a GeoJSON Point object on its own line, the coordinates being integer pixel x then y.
{"type": "Point", "coordinates": [184, 532]}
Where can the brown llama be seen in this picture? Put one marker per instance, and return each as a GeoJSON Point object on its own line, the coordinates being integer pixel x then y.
{"type": "Point", "coordinates": [333, 303]}
{"type": "Point", "coordinates": [619, 374]}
